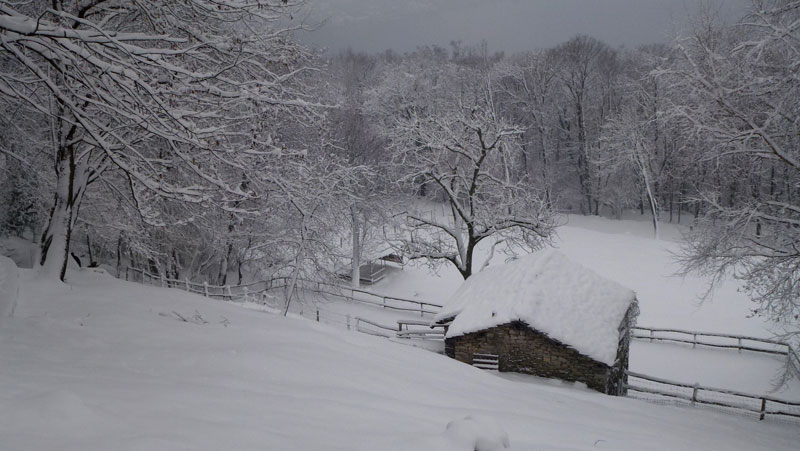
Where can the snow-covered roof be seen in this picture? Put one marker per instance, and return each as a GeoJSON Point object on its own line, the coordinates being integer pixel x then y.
{"type": "Point", "coordinates": [550, 293]}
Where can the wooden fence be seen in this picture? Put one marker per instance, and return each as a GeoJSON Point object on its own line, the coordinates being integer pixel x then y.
{"type": "Point", "coordinates": [717, 340]}
{"type": "Point", "coordinates": [365, 297]}
{"type": "Point", "coordinates": [259, 288]}
{"type": "Point", "coordinates": [421, 329]}
{"type": "Point", "coordinates": [695, 394]}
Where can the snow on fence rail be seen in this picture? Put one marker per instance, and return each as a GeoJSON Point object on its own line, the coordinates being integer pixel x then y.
{"type": "Point", "coordinates": [717, 340]}
{"type": "Point", "coordinates": [424, 330]}
{"type": "Point", "coordinates": [647, 387]}
{"type": "Point", "coordinates": [229, 292]}
{"type": "Point", "coordinates": [380, 300]}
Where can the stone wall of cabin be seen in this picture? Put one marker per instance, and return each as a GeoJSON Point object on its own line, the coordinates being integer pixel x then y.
{"type": "Point", "coordinates": [524, 350]}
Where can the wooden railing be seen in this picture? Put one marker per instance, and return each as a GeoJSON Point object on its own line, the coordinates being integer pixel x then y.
{"type": "Point", "coordinates": [230, 292]}
{"type": "Point", "coordinates": [420, 329]}
{"type": "Point", "coordinates": [367, 297]}
{"type": "Point", "coordinates": [718, 340]}
{"type": "Point", "coordinates": [370, 327]}
{"type": "Point", "coordinates": [696, 394]}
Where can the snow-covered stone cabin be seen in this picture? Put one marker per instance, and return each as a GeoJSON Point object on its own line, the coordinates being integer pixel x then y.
{"type": "Point", "coordinates": [544, 315]}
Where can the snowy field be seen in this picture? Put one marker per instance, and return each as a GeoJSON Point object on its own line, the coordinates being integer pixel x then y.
{"type": "Point", "coordinates": [625, 251]}
{"type": "Point", "coordinates": [105, 364]}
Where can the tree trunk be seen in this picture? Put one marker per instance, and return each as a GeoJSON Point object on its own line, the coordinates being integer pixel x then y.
{"type": "Point", "coordinates": [355, 261]}
{"type": "Point", "coordinates": [70, 186]}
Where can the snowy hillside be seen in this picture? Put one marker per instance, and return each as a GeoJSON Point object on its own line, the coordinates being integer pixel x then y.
{"type": "Point", "coordinates": [626, 252]}
{"type": "Point", "coordinates": [106, 364]}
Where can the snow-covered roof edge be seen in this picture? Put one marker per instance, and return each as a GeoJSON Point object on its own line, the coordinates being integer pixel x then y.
{"type": "Point", "coordinates": [552, 294]}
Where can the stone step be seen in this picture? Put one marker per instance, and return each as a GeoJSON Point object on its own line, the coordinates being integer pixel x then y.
{"type": "Point", "coordinates": [486, 366]}
{"type": "Point", "coordinates": [492, 361]}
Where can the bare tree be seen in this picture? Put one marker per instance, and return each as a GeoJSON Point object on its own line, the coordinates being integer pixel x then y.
{"type": "Point", "coordinates": [582, 64]}
{"type": "Point", "coordinates": [466, 152]}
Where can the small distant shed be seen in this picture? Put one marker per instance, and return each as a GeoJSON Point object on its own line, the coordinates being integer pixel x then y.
{"type": "Point", "coordinates": [543, 315]}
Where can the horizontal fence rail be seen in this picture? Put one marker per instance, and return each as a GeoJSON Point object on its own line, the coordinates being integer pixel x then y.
{"type": "Point", "coordinates": [389, 302]}
{"type": "Point", "coordinates": [230, 292]}
{"type": "Point", "coordinates": [420, 329]}
{"type": "Point", "coordinates": [719, 340]}
{"type": "Point", "coordinates": [371, 327]}
{"type": "Point", "coordinates": [696, 394]}
{"type": "Point", "coordinates": [378, 300]}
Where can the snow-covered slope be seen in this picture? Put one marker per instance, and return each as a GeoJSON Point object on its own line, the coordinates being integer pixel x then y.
{"type": "Point", "coordinates": [104, 364]}
{"type": "Point", "coordinates": [548, 292]}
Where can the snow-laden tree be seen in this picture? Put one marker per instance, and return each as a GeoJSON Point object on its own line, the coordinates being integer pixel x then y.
{"type": "Point", "coordinates": [465, 152]}
{"type": "Point", "coordinates": [585, 70]}
{"type": "Point", "coordinates": [630, 152]}
{"type": "Point", "coordinates": [354, 139]}
{"type": "Point", "coordinates": [527, 91]}
{"type": "Point", "coordinates": [741, 96]}
{"type": "Point", "coordinates": [173, 95]}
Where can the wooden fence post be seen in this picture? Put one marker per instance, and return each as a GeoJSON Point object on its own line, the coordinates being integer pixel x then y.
{"type": "Point", "coordinates": [740, 346]}
{"type": "Point", "coordinates": [421, 310]}
{"type": "Point", "coordinates": [186, 280]}
{"type": "Point", "coordinates": [246, 292]}
{"type": "Point", "coordinates": [763, 409]}
{"type": "Point", "coordinates": [126, 272]}
{"type": "Point", "coordinates": [228, 289]}
{"type": "Point", "coordinates": [162, 280]}
{"type": "Point", "coordinates": [205, 288]}
{"type": "Point", "coordinates": [694, 341]}
{"type": "Point", "coordinates": [317, 315]}
{"type": "Point", "coordinates": [348, 322]}
{"type": "Point", "coordinates": [694, 393]}
{"type": "Point", "coordinates": [651, 335]}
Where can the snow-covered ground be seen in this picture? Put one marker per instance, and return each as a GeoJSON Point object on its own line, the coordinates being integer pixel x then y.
{"type": "Point", "coordinates": [105, 364]}
{"type": "Point", "coordinates": [626, 252]}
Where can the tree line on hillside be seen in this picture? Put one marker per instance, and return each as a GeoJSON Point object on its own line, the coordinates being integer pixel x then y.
{"type": "Point", "coordinates": [199, 139]}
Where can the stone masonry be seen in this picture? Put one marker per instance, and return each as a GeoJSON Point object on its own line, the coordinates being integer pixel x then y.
{"type": "Point", "coordinates": [525, 350]}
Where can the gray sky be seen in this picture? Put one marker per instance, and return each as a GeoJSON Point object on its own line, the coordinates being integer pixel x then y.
{"type": "Point", "coordinates": [509, 25]}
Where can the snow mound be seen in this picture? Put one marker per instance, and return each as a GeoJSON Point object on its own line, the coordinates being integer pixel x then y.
{"type": "Point", "coordinates": [550, 293]}
{"type": "Point", "coordinates": [478, 434]}
{"type": "Point", "coordinates": [20, 250]}
{"type": "Point", "coordinates": [471, 433]}
{"type": "Point", "coordinates": [9, 286]}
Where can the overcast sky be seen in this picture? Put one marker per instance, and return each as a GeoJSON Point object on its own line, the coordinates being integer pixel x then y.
{"type": "Point", "coordinates": [509, 25]}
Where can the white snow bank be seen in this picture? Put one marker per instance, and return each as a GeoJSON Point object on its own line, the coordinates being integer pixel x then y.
{"type": "Point", "coordinates": [21, 251]}
{"type": "Point", "coordinates": [551, 294]}
{"type": "Point", "coordinates": [133, 376]}
{"type": "Point", "coordinates": [476, 433]}
{"type": "Point", "coordinates": [9, 286]}
{"type": "Point", "coordinates": [471, 433]}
